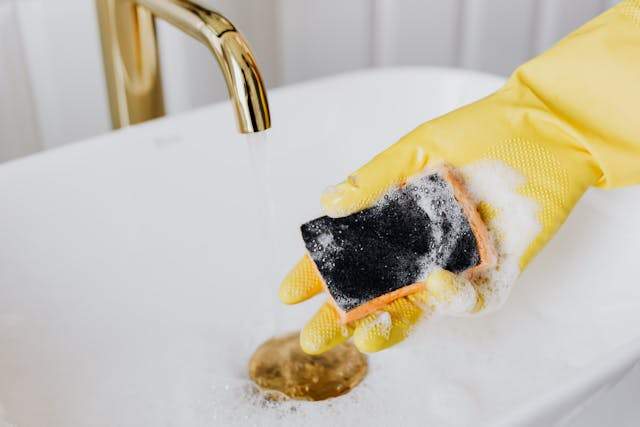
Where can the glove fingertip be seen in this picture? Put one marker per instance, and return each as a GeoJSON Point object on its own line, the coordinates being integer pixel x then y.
{"type": "Point", "coordinates": [452, 294]}
{"type": "Point", "coordinates": [301, 283]}
{"type": "Point", "coordinates": [343, 199]}
{"type": "Point", "coordinates": [323, 331]}
{"type": "Point", "coordinates": [363, 188]}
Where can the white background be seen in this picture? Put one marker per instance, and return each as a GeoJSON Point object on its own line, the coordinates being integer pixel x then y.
{"type": "Point", "coordinates": [52, 85]}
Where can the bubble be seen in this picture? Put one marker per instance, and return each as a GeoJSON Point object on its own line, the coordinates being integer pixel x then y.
{"type": "Point", "coordinates": [513, 227]}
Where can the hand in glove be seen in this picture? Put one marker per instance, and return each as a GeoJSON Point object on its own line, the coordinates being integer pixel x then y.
{"type": "Point", "coordinates": [563, 122]}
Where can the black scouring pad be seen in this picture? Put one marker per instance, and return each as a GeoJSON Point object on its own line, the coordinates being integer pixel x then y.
{"type": "Point", "coordinates": [396, 243]}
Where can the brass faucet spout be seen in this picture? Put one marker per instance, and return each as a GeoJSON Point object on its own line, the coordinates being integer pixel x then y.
{"type": "Point", "coordinates": [132, 68]}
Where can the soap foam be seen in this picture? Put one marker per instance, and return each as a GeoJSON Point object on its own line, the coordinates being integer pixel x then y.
{"type": "Point", "coordinates": [185, 363]}
{"type": "Point", "coordinates": [382, 324]}
{"type": "Point", "coordinates": [513, 228]}
{"type": "Point", "coordinates": [445, 398]}
{"type": "Point", "coordinates": [326, 249]}
{"type": "Point", "coordinates": [463, 300]}
{"type": "Point", "coordinates": [432, 197]}
{"type": "Point", "coordinates": [397, 242]}
{"type": "Point", "coordinates": [432, 200]}
{"type": "Point", "coordinates": [242, 403]}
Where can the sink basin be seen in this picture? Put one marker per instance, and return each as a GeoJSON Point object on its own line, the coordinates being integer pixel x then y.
{"type": "Point", "coordinates": [136, 280]}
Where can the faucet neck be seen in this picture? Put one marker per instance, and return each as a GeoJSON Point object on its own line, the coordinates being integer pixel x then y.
{"type": "Point", "coordinates": [132, 66]}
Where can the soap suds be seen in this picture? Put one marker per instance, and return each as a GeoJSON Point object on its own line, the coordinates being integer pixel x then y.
{"type": "Point", "coordinates": [433, 198]}
{"type": "Point", "coordinates": [381, 323]}
{"type": "Point", "coordinates": [462, 301]}
{"type": "Point", "coordinates": [181, 357]}
{"type": "Point", "coordinates": [395, 243]}
{"type": "Point", "coordinates": [513, 228]}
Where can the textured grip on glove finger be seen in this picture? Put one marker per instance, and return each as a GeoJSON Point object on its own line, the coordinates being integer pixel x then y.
{"type": "Point", "coordinates": [324, 331]}
{"type": "Point", "coordinates": [301, 283]}
{"type": "Point", "coordinates": [387, 327]}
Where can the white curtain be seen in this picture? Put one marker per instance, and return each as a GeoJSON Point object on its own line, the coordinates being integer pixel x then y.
{"type": "Point", "coordinates": [52, 85]}
{"type": "Point", "coordinates": [19, 133]}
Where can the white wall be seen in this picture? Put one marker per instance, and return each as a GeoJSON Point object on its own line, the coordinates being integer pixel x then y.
{"type": "Point", "coordinates": [51, 80]}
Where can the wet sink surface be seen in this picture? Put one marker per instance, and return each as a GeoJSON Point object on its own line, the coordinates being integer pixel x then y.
{"type": "Point", "coordinates": [135, 282]}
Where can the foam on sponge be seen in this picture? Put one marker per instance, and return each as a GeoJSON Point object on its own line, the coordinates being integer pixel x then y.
{"type": "Point", "coordinates": [381, 253]}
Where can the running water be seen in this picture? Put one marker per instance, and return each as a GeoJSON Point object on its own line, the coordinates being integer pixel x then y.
{"type": "Point", "coordinates": [170, 346]}
{"type": "Point", "coordinates": [259, 156]}
{"type": "Point", "coordinates": [279, 365]}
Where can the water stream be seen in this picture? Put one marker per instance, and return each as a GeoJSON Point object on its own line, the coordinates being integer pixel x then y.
{"type": "Point", "coordinates": [259, 156]}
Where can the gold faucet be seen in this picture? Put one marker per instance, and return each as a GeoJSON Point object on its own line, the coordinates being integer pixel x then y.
{"type": "Point", "coordinates": [132, 68]}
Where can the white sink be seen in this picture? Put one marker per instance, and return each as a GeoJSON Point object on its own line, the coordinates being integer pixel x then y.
{"type": "Point", "coordinates": [134, 282]}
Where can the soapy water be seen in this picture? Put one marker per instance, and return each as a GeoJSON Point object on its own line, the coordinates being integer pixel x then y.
{"type": "Point", "coordinates": [181, 358]}
{"type": "Point", "coordinates": [425, 371]}
{"type": "Point", "coordinates": [447, 398]}
{"type": "Point", "coordinates": [511, 230]}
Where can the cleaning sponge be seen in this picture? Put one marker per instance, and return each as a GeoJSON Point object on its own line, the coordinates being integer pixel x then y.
{"type": "Point", "coordinates": [381, 253]}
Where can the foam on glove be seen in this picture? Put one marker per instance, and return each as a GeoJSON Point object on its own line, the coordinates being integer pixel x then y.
{"type": "Point", "coordinates": [382, 253]}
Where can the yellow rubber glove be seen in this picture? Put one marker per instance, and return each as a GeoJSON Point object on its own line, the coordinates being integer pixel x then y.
{"type": "Point", "coordinates": [566, 120]}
